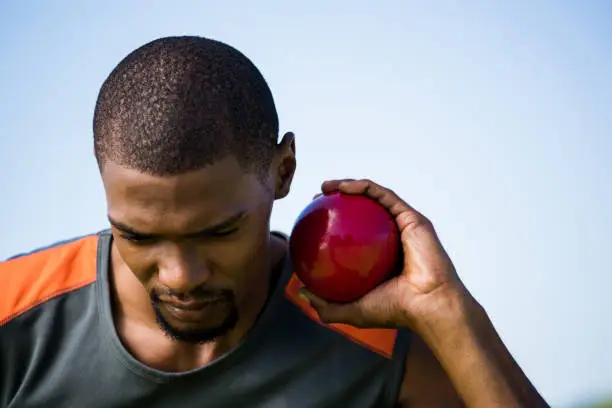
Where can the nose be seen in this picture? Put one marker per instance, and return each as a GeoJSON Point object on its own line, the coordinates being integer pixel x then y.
{"type": "Point", "coordinates": [181, 269]}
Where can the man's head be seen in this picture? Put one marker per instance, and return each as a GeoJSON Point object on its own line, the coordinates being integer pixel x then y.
{"type": "Point", "coordinates": [185, 135]}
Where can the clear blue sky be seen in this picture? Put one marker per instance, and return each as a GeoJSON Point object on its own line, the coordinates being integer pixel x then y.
{"type": "Point", "coordinates": [493, 118]}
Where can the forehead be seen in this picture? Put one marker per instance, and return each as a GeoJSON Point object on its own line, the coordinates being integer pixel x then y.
{"type": "Point", "coordinates": [184, 202]}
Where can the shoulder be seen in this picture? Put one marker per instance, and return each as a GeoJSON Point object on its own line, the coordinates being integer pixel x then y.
{"type": "Point", "coordinates": [373, 358]}
{"type": "Point", "coordinates": [30, 279]}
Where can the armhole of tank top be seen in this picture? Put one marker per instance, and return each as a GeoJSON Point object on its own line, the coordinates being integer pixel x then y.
{"type": "Point", "coordinates": [105, 238]}
{"type": "Point", "coordinates": [393, 382]}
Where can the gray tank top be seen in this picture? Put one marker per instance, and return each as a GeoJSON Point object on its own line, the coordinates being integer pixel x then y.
{"type": "Point", "coordinates": [59, 347]}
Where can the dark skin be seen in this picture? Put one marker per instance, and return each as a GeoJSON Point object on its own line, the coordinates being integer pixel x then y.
{"type": "Point", "coordinates": [200, 235]}
{"type": "Point", "coordinates": [206, 229]}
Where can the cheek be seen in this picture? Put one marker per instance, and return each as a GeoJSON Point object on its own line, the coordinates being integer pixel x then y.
{"type": "Point", "coordinates": [243, 260]}
{"type": "Point", "coordinates": [140, 260]}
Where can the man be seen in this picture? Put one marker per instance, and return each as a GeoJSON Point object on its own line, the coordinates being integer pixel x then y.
{"type": "Point", "coordinates": [189, 300]}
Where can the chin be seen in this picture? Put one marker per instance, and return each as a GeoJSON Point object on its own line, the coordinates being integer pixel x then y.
{"type": "Point", "coordinates": [197, 332]}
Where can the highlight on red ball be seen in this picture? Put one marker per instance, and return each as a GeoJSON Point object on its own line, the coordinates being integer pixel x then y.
{"type": "Point", "coordinates": [343, 246]}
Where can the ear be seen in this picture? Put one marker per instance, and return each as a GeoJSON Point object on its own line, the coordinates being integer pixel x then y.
{"type": "Point", "coordinates": [284, 165]}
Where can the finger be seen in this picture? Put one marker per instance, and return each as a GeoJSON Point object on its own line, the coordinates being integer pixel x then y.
{"type": "Point", "coordinates": [373, 309]}
{"type": "Point", "coordinates": [384, 196]}
{"type": "Point", "coordinates": [405, 214]}
{"type": "Point", "coordinates": [330, 186]}
{"type": "Point", "coordinates": [332, 312]}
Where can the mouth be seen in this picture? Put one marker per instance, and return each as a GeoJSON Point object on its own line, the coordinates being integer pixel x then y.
{"type": "Point", "coordinates": [191, 304]}
{"type": "Point", "coordinates": [189, 311]}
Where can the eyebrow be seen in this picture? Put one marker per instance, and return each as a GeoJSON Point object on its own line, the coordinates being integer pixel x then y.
{"type": "Point", "coordinates": [207, 231]}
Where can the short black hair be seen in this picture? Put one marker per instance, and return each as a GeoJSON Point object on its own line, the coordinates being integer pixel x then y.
{"type": "Point", "coordinates": [178, 104]}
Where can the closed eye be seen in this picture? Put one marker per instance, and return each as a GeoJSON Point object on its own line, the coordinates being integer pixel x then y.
{"type": "Point", "coordinates": [137, 239]}
{"type": "Point", "coordinates": [223, 233]}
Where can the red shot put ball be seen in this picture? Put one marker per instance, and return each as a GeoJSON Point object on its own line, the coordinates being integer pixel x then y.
{"type": "Point", "coordinates": [342, 246]}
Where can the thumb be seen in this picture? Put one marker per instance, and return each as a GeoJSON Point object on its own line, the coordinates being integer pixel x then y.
{"type": "Point", "coordinates": [331, 312]}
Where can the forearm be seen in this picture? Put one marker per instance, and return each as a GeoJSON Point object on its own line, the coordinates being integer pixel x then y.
{"type": "Point", "coordinates": [475, 359]}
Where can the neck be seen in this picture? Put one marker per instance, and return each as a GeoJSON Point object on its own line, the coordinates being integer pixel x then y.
{"type": "Point", "coordinates": [138, 329]}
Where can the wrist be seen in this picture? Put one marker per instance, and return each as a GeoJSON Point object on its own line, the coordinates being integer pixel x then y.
{"type": "Point", "coordinates": [452, 312]}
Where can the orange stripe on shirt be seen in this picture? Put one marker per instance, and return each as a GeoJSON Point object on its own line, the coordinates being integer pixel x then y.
{"type": "Point", "coordinates": [30, 280]}
{"type": "Point", "coordinates": [378, 340]}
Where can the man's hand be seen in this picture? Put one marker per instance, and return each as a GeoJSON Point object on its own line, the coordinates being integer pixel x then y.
{"type": "Point", "coordinates": [428, 298]}
{"type": "Point", "coordinates": [428, 280]}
